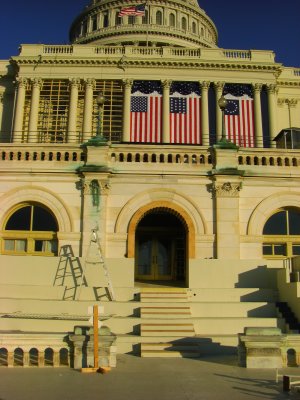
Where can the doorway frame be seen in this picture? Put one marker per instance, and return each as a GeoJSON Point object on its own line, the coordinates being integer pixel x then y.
{"type": "Point", "coordinates": [169, 207]}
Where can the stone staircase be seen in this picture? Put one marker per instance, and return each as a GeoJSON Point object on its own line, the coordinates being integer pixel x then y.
{"type": "Point", "coordinates": [171, 321]}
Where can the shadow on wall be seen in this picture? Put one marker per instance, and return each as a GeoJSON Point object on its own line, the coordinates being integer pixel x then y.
{"type": "Point", "coordinates": [259, 277]}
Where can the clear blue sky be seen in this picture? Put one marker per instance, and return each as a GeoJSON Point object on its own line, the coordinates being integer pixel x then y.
{"type": "Point", "coordinates": [255, 24]}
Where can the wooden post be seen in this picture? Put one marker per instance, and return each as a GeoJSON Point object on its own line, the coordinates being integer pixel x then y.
{"type": "Point", "coordinates": [96, 341]}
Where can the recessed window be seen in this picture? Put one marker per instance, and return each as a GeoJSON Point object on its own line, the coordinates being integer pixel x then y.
{"type": "Point", "coordinates": [282, 233]}
{"type": "Point", "coordinates": [30, 229]}
{"type": "Point", "coordinates": [159, 18]}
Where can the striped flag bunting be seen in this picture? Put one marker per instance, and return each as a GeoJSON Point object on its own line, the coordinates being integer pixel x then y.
{"type": "Point", "coordinates": [146, 112]}
{"type": "Point", "coordinates": [239, 114]}
{"type": "Point", "coordinates": [185, 113]}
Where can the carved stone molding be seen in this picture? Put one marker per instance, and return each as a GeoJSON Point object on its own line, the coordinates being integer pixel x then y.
{"type": "Point", "coordinates": [257, 87]}
{"type": "Point", "coordinates": [90, 187]}
{"type": "Point", "coordinates": [22, 82]}
{"type": "Point", "coordinates": [166, 83]}
{"type": "Point", "coordinates": [127, 83]}
{"type": "Point", "coordinates": [37, 83]}
{"type": "Point", "coordinates": [290, 102]}
{"type": "Point", "coordinates": [226, 189]}
{"type": "Point", "coordinates": [219, 86]}
{"type": "Point", "coordinates": [90, 83]}
{"type": "Point", "coordinates": [272, 88]}
{"type": "Point", "coordinates": [204, 85]}
{"type": "Point", "coordinates": [74, 82]}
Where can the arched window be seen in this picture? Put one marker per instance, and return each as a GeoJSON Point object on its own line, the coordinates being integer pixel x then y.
{"type": "Point", "coordinates": [194, 27]}
{"type": "Point", "coordinates": [282, 233]}
{"type": "Point", "coordinates": [183, 23]}
{"type": "Point", "coordinates": [159, 18]}
{"type": "Point", "coordinates": [30, 229]}
{"type": "Point", "coordinates": [105, 20]}
{"type": "Point", "coordinates": [172, 20]}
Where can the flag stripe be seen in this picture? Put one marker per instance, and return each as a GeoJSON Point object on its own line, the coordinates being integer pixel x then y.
{"type": "Point", "coordinates": [185, 123]}
{"type": "Point", "coordinates": [146, 123]}
{"type": "Point", "coordinates": [239, 122]}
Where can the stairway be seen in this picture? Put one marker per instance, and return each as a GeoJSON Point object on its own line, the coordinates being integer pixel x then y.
{"type": "Point", "coordinates": [168, 329]}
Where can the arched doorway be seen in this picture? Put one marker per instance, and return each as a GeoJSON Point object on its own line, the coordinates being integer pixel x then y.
{"type": "Point", "coordinates": [160, 247]}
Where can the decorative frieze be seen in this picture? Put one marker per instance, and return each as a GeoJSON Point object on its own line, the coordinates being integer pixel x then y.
{"type": "Point", "coordinates": [226, 189]}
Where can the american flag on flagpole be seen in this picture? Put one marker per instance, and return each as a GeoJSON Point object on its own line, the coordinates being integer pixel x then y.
{"type": "Point", "coordinates": [133, 10]}
{"type": "Point", "coordinates": [185, 114]}
{"type": "Point", "coordinates": [146, 113]}
{"type": "Point", "coordinates": [239, 114]}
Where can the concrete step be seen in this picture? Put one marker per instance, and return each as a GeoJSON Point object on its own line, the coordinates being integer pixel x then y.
{"type": "Point", "coordinates": [165, 312]}
{"type": "Point", "coordinates": [164, 329]}
{"type": "Point", "coordinates": [163, 294]}
{"type": "Point", "coordinates": [232, 294]}
{"type": "Point", "coordinates": [170, 349]}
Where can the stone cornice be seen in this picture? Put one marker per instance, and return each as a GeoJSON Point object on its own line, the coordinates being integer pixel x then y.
{"type": "Point", "coordinates": [130, 63]}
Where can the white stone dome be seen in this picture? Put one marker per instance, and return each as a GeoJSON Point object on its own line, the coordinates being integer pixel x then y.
{"type": "Point", "coordinates": [165, 23]}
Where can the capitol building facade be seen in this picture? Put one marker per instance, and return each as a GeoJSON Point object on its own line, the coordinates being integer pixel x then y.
{"type": "Point", "coordinates": [144, 168]}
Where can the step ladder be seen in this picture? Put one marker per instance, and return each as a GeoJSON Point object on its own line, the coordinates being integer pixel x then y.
{"type": "Point", "coordinates": [94, 240]}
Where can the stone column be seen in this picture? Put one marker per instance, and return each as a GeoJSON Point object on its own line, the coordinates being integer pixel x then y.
{"type": "Point", "coordinates": [1, 113]}
{"type": "Point", "coordinates": [127, 85]}
{"type": "Point", "coordinates": [41, 358]}
{"type": "Point", "coordinates": [271, 90]}
{"type": "Point", "coordinates": [72, 121]}
{"type": "Point", "coordinates": [19, 110]}
{"type": "Point", "coordinates": [257, 116]}
{"type": "Point", "coordinates": [26, 359]}
{"type": "Point", "coordinates": [34, 111]}
{"type": "Point", "coordinates": [56, 358]}
{"type": "Point", "coordinates": [166, 111]}
{"type": "Point", "coordinates": [10, 358]}
{"type": "Point", "coordinates": [88, 109]}
{"type": "Point", "coordinates": [204, 113]}
{"type": "Point", "coordinates": [218, 91]}
{"type": "Point", "coordinates": [226, 192]}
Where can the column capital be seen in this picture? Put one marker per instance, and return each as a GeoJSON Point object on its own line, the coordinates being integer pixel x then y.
{"type": "Point", "coordinates": [226, 189]}
{"type": "Point", "coordinates": [90, 82]}
{"type": "Point", "coordinates": [204, 84]}
{"type": "Point", "coordinates": [272, 88]}
{"type": "Point", "coordinates": [37, 83]}
{"type": "Point", "coordinates": [219, 85]}
{"type": "Point", "coordinates": [257, 87]}
{"type": "Point", "coordinates": [166, 83]}
{"type": "Point", "coordinates": [74, 82]}
{"type": "Point", "coordinates": [127, 83]}
{"type": "Point", "coordinates": [22, 82]}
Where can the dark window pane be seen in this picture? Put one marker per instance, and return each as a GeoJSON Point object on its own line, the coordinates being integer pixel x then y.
{"type": "Point", "coordinates": [20, 220]}
{"type": "Point", "coordinates": [43, 220]}
{"type": "Point", "coordinates": [296, 249]}
{"type": "Point", "coordinates": [294, 222]}
{"type": "Point", "coordinates": [276, 225]}
{"type": "Point", "coordinates": [267, 249]}
{"type": "Point", "coordinates": [279, 250]}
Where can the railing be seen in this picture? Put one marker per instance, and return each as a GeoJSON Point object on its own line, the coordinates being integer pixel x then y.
{"type": "Point", "coordinates": [248, 159]}
{"type": "Point", "coordinates": [242, 54]}
{"type": "Point", "coordinates": [203, 53]}
{"type": "Point", "coordinates": [58, 153]}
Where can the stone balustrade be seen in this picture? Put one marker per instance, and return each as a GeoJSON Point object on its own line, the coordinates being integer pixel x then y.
{"type": "Point", "coordinates": [205, 54]}
{"type": "Point", "coordinates": [34, 350]}
{"type": "Point", "coordinates": [197, 156]}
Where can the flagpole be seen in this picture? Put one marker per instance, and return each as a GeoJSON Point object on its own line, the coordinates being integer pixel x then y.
{"type": "Point", "coordinates": [148, 17]}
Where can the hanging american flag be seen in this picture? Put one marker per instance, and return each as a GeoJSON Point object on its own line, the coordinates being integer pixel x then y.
{"type": "Point", "coordinates": [133, 10]}
{"type": "Point", "coordinates": [146, 112]}
{"type": "Point", "coordinates": [239, 115]}
{"type": "Point", "coordinates": [185, 113]}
